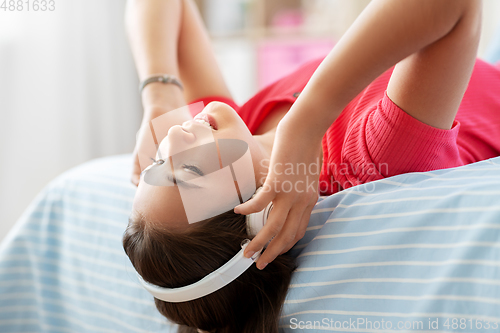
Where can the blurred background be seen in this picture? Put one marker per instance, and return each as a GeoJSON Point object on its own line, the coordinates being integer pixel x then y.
{"type": "Point", "coordinates": [68, 86]}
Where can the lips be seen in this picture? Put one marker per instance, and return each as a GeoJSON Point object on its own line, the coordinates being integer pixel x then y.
{"type": "Point", "coordinates": [208, 118]}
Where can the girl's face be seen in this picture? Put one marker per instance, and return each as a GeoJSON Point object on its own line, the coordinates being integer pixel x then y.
{"type": "Point", "coordinates": [163, 204]}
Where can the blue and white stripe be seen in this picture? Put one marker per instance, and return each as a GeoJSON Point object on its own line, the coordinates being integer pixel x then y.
{"type": "Point", "coordinates": [419, 247]}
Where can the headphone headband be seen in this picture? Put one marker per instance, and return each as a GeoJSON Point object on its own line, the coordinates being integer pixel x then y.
{"type": "Point", "coordinates": [220, 277]}
{"type": "Point", "coordinates": [210, 283]}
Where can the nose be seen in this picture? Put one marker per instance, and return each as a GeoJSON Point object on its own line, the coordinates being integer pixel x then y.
{"type": "Point", "coordinates": [186, 123]}
{"type": "Point", "coordinates": [179, 138]}
{"type": "Point", "coordinates": [183, 132]}
{"type": "Point", "coordinates": [188, 135]}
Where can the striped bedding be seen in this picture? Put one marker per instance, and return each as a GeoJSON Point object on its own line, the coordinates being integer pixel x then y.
{"type": "Point", "coordinates": [421, 247]}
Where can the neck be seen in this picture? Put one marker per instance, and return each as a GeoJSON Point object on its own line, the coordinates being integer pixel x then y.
{"type": "Point", "coordinates": [267, 130]}
{"type": "Point", "coordinates": [266, 141]}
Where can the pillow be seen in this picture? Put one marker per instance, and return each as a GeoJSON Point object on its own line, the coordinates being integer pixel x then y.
{"type": "Point", "coordinates": [414, 251]}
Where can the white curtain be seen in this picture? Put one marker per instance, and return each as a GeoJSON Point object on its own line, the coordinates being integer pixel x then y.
{"type": "Point", "coordinates": [68, 94]}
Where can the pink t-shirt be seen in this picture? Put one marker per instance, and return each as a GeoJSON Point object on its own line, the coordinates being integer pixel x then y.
{"type": "Point", "coordinates": [373, 138]}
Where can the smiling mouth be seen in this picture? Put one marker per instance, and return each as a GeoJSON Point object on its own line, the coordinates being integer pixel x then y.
{"type": "Point", "coordinates": [206, 119]}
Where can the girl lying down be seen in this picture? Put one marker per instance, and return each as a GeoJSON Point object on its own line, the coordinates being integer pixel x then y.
{"type": "Point", "coordinates": [401, 92]}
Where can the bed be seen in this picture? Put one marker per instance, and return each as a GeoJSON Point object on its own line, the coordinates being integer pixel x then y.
{"type": "Point", "coordinates": [420, 247]}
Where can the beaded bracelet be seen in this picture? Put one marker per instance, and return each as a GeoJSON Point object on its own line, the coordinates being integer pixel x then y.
{"type": "Point", "coordinates": [163, 78]}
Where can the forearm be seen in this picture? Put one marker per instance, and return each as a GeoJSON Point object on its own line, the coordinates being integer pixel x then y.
{"type": "Point", "coordinates": [385, 33]}
{"type": "Point", "coordinates": [153, 28]}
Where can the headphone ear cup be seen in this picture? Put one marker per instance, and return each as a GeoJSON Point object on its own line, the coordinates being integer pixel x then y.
{"type": "Point", "coordinates": [256, 221]}
{"type": "Point", "coordinates": [267, 211]}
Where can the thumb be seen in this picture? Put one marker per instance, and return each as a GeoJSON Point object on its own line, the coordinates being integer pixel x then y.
{"type": "Point", "coordinates": [136, 170]}
{"type": "Point", "coordinates": [257, 203]}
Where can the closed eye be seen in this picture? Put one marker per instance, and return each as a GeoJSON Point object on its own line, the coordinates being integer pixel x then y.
{"type": "Point", "coordinates": [177, 180]}
{"type": "Point", "coordinates": [193, 168]}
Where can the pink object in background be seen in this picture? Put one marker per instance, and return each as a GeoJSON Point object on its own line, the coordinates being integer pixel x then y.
{"type": "Point", "coordinates": [277, 58]}
{"type": "Point", "coordinates": [288, 18]}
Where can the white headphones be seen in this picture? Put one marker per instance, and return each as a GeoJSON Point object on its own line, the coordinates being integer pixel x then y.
{"type": "Point", "coordinates": [256, 221]}
{"type": "Point", "coordinates": [220, 277]}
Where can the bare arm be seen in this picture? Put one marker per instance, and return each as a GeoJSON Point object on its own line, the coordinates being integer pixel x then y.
{"type": "Point", "coordinates": [433, 43]}
{"type": "Point", "coordinates": [153, 28]}
{"type": "Point", "coordinates": [436, 42]}
{"type": "Point", "coordinates": [168, 37]}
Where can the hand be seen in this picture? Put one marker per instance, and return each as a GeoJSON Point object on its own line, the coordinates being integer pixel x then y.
{"type": "Point", "coordinates": [157, 99]}
{"type": "Point", "coordinates": [154, 128]}
{"type": "Point", "coordinates": [293, 193]}
{"type": "Point", "coordinates": [144, 146]}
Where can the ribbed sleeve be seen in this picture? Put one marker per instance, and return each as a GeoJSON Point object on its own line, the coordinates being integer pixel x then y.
{"type": "Point", "coordinates": [374, 138]}
{"type": "Point", "coordinates": [406, 144]}
{"type": "Point", "coordinates": [387, 141]}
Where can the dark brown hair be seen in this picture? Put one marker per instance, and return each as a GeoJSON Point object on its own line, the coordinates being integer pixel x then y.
{"type": "Point", "coordinates": [251, 303]}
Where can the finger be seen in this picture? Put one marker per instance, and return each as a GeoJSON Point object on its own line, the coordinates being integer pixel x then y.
{"type": "Point", "coordinates": [285, 236]}
{"type": "Point", "coordinates": [301, 232]}
{"type": "Point", "coordinates": [258, 203]}
{"type": "Point", "coordinates": [136, 170]}
{"type": "Point", "coordinates": [273, 226]}
{"type": "Point", "coordinates": [304, 222]}
{"type": "Point", "coordinates": [135, 179]}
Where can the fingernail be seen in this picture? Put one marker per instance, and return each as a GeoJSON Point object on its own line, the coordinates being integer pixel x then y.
{"type": "Point", "coordinates": [249, 254]}
{"type": "Point", "coordinates": [262, 266]}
